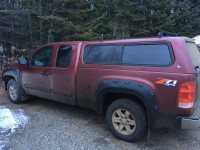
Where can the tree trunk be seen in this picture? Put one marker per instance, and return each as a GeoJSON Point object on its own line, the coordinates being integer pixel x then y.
{"type": "Point", "coordinates": [40, 10]}
{"type": "Point", "coordinates": [115, 26]}
{"type": "Point", "coordinates": [30, 29]}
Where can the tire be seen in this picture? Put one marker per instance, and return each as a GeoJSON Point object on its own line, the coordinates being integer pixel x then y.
{"type": "Point", "coordinates": [14, 92]}
{"type": "Point", "coordinates": [126, 120]}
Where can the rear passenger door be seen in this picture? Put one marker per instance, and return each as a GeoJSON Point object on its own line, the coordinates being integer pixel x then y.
{"type": "Point", "coordinates": [63, 74]}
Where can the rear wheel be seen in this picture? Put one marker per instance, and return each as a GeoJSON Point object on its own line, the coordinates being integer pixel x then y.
{"type": "Point", "coordinates": [14, 91]}
{"type": "Point", "coordinates": [126, 120]}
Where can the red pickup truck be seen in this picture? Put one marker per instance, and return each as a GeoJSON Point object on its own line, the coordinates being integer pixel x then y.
{"type": "Point", "coordinates": [138, 84]}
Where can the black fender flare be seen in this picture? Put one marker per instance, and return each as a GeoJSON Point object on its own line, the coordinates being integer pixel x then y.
{"type": "Point", "coordinates": [13, 73]}
{"type": "Point", "coordinates": [141, 90]}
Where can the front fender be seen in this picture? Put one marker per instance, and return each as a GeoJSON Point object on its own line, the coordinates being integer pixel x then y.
{"type": "Point", "coordinates": [11, 73]}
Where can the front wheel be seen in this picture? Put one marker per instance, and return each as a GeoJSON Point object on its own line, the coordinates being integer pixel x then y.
{"type": "Point", "coordinates": [126, 120]}
{"type": "Point", "coordinates": [14, 92]}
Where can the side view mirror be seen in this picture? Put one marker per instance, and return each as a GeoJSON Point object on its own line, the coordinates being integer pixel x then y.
{"type": "Point", "coordinates": [22, 61]}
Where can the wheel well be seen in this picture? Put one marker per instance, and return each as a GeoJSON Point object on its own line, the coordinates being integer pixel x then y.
{"type": "Point", "coordinates": [111, 97]}
{"type": "Point", "coordinates": [6, 79]}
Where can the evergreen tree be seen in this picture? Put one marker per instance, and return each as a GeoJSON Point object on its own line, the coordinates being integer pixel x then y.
{"type": "Point", "coordinates": [30, 23]}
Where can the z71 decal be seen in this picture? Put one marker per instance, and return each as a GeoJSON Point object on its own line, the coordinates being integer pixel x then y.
{"type": "Point", "coordinates": [167, 82]}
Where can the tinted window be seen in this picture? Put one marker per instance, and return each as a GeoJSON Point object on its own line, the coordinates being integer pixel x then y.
{"type": "Point", "coordinates": [42, 58]}
{"type": "Point", "coordinates": [147, 54]}
{"type": "Point", "coordinates": [64, 56]}
{"type": "Point", "coordinates": [105, 54]}
{"type": "Point", "coordinates": [152, 55]}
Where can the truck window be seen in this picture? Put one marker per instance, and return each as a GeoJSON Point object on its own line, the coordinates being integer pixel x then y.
{"type": "Point", "coordinates": [103, 54]}
{"type": "Point", "coordinates": [147, 55]}
{"type": "Point", "coordinates": [42, 58]}
{"type": "Point", "coordinates": [64, 56]}
{"type": "Point", "coordinates": [135, 54]}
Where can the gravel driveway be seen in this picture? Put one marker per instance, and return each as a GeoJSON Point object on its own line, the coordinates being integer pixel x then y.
{"type": "Point", "coordinates": [47, 125]}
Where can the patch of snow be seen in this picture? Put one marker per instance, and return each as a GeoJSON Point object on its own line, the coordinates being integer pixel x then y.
{"type": "Point", "coordinates": [2, 145]}
{"type": "Point", "coordinates": [10, 121]}
{"type": "Point", "coordinates": [7, 121]}
{"type": "Point", "coordinates": [107, 139]}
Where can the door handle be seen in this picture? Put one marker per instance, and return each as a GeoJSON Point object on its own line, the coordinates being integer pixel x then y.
{"type": "Point", "coordinates": [45, 73]}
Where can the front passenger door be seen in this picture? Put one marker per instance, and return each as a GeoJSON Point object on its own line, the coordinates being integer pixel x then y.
{"type": "Point", "coordinates": [37, 76]}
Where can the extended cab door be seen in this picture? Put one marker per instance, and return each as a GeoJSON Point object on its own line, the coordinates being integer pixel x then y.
{"type": "Point", "coordinates": [64, 73]}
{"type": "Point", "coordinates": [37, 76]}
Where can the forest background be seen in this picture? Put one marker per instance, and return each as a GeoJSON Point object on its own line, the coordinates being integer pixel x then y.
{"type": "Point", "coordinates": [27, 24]}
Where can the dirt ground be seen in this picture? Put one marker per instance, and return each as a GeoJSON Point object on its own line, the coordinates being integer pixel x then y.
{"type": "Point", "coordinates": [41, 124]}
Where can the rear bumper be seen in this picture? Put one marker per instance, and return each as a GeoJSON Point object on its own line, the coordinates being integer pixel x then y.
{"type": "Point", "coordinates": [191, 122]}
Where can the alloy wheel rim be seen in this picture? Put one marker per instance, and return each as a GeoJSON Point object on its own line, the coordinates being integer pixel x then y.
{"type": "Point", "coordinates": [123, 121]}
{"type": "Point", "coordinates": [12, 92]}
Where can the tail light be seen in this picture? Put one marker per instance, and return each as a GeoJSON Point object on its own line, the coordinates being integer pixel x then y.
{"type": "Point", "coordinates": [186, 95]}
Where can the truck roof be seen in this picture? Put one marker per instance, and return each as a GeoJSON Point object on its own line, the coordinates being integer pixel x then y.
{"type": "Point", "coordinates": [139, 39]}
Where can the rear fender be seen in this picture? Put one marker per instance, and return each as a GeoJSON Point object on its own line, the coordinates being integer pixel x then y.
{"type": "Point", "coordinates": [138, 89]}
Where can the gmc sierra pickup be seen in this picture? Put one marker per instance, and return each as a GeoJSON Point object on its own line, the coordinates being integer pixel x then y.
{"type": "Point", "coordinates": [136, 83]}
